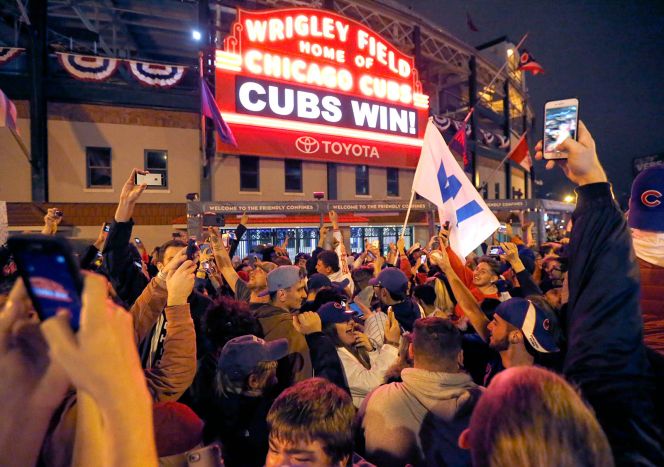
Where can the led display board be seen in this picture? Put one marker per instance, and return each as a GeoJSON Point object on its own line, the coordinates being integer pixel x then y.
{"type": "Point", "coordinates": [313, 85]}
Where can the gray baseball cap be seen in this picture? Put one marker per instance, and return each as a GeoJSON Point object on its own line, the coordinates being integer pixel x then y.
{"type": "Point", "coordinates": [281, 278]}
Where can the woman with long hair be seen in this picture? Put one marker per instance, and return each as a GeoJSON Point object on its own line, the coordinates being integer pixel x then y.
{"type": "Point", "coordinates": [364, 366]}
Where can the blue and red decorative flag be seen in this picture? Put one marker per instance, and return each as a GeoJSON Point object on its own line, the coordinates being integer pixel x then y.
{"type": "Point", "coordinates": [210, 110]}
{"type": "Point", "coordinates": [527, 63]}
{"type": "Point", "coordinates": [88, 67]}
{"type": "Point", "coordinates": [154, 74]}
{"type": "Point", "coordinates": [8, 53]}
{"type": "Point", "coordinates": [459, 147]}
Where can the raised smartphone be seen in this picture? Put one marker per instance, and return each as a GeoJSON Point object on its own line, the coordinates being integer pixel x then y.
{"type": "Point", "coordinates": [50, 274]}
{"type": "Point", "coordinates": [148, 179]}
{"type": "Point", "coordinates": [561, 120]}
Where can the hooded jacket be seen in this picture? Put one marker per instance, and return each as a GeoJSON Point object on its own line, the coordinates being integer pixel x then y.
{"type": "Point", "coordinates": [419, 421]}
{"type": "Point", "coordinates": [278, 323]}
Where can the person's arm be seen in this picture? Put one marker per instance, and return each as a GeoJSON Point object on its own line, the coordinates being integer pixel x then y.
{"type": "Point", "coordinates": [127, 278]}
{"type": "Point", "coordinates": [360, 260]}
{"type": "Point", "coordinates": [340, 249]}
{"type": "Point", "coordinates": [147, 308]}
{"type": "Point", "coordinates": [91, 252]}
{"type": "Point", "coordinates": [32, 385]}
{"type": "Point", "coordinates": [528, 286]}
{"type": "Point", "coordinates": [175, 370]}
{"type": "Point", "coordinates": [464, 297]}
{"type": "Point", "coordinates": [223, 260]}
{"type": "Point", "coordinates": [378, 265]}
{"type": "Point", "coordinates": [102, 360]}
{"type": "Point", "coordinates": [90, 441]}
{"type": "Point", "coordinates": [88, 257]}
{"type": "Point", "coordinates": [51, 222]}
{"type": "Point", "coordinates": [606, 357]}
{"type": "Point", "coordinates": [239, 233]}
{"type": "Point", "coordinates": [324, 358]}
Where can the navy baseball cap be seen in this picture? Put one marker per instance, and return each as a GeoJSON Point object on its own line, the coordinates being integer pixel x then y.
{"type": "Point", "coordinates": [241, 355]}
{"type": "Point", "coordinates": [646, 204]}
{"type": "Point", "coordinates": [533, 322]}
{"type": "Point", "coordinates": [318, 280]}
{"type": "Point", "coordinates": [392, 279]}
{"type": "Point", "coordinates": [282, 277]}
{"type": "Point", "coordinates": [333, 312]}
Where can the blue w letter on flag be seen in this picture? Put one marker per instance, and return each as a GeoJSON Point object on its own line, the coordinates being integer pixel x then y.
{"type": "Point", "coordinates": [441, 180]}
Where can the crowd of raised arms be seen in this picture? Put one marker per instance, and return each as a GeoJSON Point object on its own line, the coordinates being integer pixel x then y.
{"type": "Point", "coordinates": [408, 356]}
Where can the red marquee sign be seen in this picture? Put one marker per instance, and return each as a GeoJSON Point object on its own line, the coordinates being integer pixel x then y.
{"type": "Point", "coordinates": [311, 84]}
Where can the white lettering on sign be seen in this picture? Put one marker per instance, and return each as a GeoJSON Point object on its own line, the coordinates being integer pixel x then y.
{"type": "Point", "coordinates": [277, 29]}
{"type": "Point", "coordinates": [282, 101]}
{"type": "Point", "coordinates": [310, 145]}
{"type": "Point", "coordinates": [277, 66]}
{"type": "Point", "coordinates": [385, 118]}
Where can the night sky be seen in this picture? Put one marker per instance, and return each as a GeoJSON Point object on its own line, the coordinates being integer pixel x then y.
{"type": "Point", "coordinates": [609, 54]}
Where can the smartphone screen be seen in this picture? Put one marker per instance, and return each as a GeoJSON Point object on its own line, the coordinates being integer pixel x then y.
{"type": "Point", "coordinates": [496, 250]}
{"type": "Point", "coordinates": [560, 122]}
{"type": "Point", "coordinates": [356, 308]}
{"type": "Point", "coordinates": [192, 248]}
{"type": "Point", "coordinates": [137, 240]}
{"type": "Point", "coordinates": [107, 227]}
{"type": "Point", "coordinates": [423, 259]}
{"type": "Point", "coordinates": [51, 278]}
{"type": "Point", "coordinates": [148, 179]}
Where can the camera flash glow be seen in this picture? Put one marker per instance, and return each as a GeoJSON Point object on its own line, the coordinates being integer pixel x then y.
{"type": "Point", "coordinates": [196, 35]}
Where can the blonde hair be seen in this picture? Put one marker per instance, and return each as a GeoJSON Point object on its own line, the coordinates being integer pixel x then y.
{"type": "Point", "coordinates": [443, 298]}
{"type": "Point", "coordinates": [531, 416]}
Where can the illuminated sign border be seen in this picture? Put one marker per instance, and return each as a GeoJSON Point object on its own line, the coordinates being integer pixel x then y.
{"type": "Point", "coordinates": [229, 64]}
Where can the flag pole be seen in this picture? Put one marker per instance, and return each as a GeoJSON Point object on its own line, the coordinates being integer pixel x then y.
{"type": "Point", "coordinates": [410, 205]}
{"type": "Point", "coordinates": [21, 144]}
{"type": "Point", "coordinates": [203, 134]}
{"type": "Point", "coordinates": [488, 86]}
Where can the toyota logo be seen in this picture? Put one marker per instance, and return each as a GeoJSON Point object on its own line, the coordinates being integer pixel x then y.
{"type": "Point", "coordinates": [307, 144]}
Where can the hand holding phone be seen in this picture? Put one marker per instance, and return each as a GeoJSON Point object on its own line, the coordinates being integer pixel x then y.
{"type": "Point", "coordinates": [561, 119]}
{"type": "Point", "coordinates": [496, 251]}
{"type": "Point", "coordinates": [148, 179]}
{"type": "Point", "coordinates": [192, 249]}
{"type": "Point", "coordinates": [50, 274]}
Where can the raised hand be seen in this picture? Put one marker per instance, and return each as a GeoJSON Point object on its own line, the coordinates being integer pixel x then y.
{"type": "Point", "coordinates": [101, 238]}
{"type": "Point", "coordinates": [392, 329]}
{"type": "Point", "coordinates": [334, 219]}
{"type": "Point", "coordinates": [180, 283]}
{"type": "Point", "coordinates": [129, 196]}
{"type": "Point", "coordinates": [582, 165]}
{"type": "Point", "coordinates": [51, 222]}
{"type": "Point", "coordinates": [307, 322]}
{"type": "Point", "coordinates": [362, 341]}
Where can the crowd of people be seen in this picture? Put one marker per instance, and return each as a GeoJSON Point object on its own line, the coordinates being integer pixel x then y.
{"type": "Point", "coordinates": [408, 356]}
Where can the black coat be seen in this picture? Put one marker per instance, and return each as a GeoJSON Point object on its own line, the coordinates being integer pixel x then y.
{"type": "Point", "coordinates": [606, 356]}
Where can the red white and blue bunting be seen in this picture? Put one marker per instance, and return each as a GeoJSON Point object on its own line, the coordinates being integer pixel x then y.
{"type": "Point", "coordinates": [8, 53]}
{"type": "Point", "coordinates": [153, 74]}
{"type": "Point", "coordinates": [488, 138]}
{"type": "Point", "coordinates": [88, 67]}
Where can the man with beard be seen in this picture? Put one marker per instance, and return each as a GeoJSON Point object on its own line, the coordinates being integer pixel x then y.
{"type": "Point", "coordinates": [522, 331]}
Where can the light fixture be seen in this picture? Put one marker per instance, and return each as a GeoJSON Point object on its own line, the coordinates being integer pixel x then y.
{"type": "Point", "coordinates": [568, 199]}
{"type": "Point", "coordinates": [510, 52]}
{"type": "Point", "coordinates": [196, 35]}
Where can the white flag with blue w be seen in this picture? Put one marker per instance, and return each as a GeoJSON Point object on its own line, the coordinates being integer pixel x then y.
{"type": "Point", "coordinates": [441, 180]}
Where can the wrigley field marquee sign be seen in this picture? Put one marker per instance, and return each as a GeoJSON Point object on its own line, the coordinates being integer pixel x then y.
{"type": "Point", "coordinates": [313, 85]}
